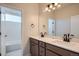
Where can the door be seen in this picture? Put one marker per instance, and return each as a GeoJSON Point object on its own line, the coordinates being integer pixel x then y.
{"type": "Point", "coordinates": [41, 51]}
{"type": "Point", "coordinates": [11, 30]}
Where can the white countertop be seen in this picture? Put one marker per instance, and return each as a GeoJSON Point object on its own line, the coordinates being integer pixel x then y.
{"type": "Point", "coordinates": [72, 45]}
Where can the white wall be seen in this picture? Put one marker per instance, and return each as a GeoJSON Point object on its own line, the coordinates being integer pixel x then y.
{"type": "Point", "coordinates": [30, 14]}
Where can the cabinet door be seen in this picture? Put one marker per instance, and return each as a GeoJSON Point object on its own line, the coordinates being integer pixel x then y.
{"type": "Point", "coordinates": [42, 44]}
{"type": "Point", "coordinates": [41, 51]}
{"type": "Point", "coordinates": [33, 40]}
{"type": "Point", "coordinates": [60, 51]}
{"type": "Point", "coordinates": [49, 53]}
{"type": "Point", "coordinates": [34, 49]}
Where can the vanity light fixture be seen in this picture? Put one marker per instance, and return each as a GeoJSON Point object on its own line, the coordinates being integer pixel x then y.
{"type": "Point", "coordinates": [52, 6]}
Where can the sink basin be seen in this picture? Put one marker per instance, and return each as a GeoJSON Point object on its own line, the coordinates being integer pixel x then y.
{"type": "Point", "coordinates": [47, 39]}
{"type": "Point", "coordinates": [57, 40]}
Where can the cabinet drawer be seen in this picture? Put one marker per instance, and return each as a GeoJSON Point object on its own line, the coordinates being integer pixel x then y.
{"type": "Point", "coordinates": [33, 40]}
{"type": "Point", "coordinates": [42, 44]}
{"type": "Point", "coordinates": [41, 51]}
{"type": "Point", "coordinates": [49, 53]}
{"type": "Point", "coordinates": [60, 51]}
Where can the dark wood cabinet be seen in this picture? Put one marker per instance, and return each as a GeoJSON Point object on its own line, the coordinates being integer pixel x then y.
{"type": "Point", "coordinates": [32, 40]}
{"type": "Point", "coordinates": [41, 51]}
{"type": "Point", "coordinates": [39, 48]}
{"type": "Point", "coordinates": [60, 51]}
{"type": "Point", "coordinates": [42, 44]}
{"type": "Point", "coordinates": [34, 49]}
{"type": "Point", "coordinates": [49, 53]}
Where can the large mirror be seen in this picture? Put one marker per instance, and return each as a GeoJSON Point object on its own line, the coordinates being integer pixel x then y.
{"type": "Point", "coordinates": [59, 21]}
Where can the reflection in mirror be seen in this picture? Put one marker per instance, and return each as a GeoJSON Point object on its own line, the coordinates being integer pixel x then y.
{"type": "Point", "coordinates": [74, 25]}
{"type": "Point", "coordinates": [51, 27]}
{"type": "Point", "coordinates": [60, 21]}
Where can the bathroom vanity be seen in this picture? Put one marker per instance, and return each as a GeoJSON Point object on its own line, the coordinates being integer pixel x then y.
{"type": "Point", "coordinates": [62, 21]}
{"type": "Point", "coordinates": [48, 47]}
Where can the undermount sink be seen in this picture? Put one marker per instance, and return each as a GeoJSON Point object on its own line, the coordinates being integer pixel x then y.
{"type": "Point", "coordinates": [58, 40]}
{"type": "Point", "coordinates": [51, 39]}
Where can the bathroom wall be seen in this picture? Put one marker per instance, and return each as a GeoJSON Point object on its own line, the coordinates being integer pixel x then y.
{"type": "Point", "coordinates": [30, 14]}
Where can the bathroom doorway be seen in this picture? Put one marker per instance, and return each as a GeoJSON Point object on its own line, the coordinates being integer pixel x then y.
{"type": "Point", "coordinates": [11, 44]}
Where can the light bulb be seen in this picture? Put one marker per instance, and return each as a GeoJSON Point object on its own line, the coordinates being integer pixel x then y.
{"type": "Point", "coordinates": [56, 4]}
{"type": "Point", "coordinates": [50, 6]}
{"type": "Point", "coordinates": [46, 9]}
{"type": "Point", "coordinates": [49, 10]}
{"type": "Point", "coordinates": [53, 8]}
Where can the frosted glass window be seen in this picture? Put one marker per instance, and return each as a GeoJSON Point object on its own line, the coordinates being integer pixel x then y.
{"type": "Point", "coordinates": [13, 18]}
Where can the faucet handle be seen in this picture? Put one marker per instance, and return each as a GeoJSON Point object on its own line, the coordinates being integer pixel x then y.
{"type": "Point", "coordinates": [65, 37]}
{"type": "Point", "coordinates": [72, 35]}
{"type": "Point", "coordinates": [45, 33]}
